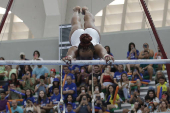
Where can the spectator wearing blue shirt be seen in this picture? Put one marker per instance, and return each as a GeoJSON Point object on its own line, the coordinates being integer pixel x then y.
{"type": "Point", "coordinates": [132, 54]}
{"type": "Point", "coordinates": [28, 96]}
{"type": "Point", "coordinates": [66, 73]}
{"type": "Point", "coordinates": [70, 88]}
{"type": "Point", "coordinates": [118, 73]}
{"type": "Point", "coordinates": [39, 70]}
{"type": "Point", "coordinates": [56, 83]}
{"type": "Point", "coordinates": [42, 103]}
{"type": "Point", "coordinates": [16, 108]}
{"type": "Point", "coordinates": [70, 108]}
{"type": "Point", "coordinates": [69, 99]}
{"type": "Point", "coordinates": [56, 96]}
{"type": "Point", "coordinates": [41, 86]}
{"type": "Point", "coordinates": [137, 76]}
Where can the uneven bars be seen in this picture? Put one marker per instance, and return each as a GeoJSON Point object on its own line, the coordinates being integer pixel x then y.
{"type": "Point", "coordinates": [82, 62]}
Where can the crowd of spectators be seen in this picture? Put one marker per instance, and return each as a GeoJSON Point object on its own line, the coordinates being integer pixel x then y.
{"type": "Point", "coordinates": [40, 88]}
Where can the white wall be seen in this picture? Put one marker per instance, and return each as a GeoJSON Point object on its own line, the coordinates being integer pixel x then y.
{"type": "Point", "coordinates": [118, 42]}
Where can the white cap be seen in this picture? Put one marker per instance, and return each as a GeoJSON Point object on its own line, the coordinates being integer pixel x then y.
{"type": "Point", "coordinates": [22, 53]}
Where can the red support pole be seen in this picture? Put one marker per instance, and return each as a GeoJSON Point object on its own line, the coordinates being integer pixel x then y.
{"type": "Point", "coordinates": [6, 14]}
{"type": "Point", "coordinates": [156, 35]}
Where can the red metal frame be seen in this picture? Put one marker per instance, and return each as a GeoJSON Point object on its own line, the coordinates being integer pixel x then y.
{"type": "Point", "coordinates": [6, 14]}
{"type": "Point", "coordinates": [156, 35]}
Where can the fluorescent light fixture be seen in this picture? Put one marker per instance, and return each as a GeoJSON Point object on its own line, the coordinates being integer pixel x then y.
{"type": "Point", "coordinates": [2, 11]}
{"type": "Point", "coordinates": [117, 2]}
{"type": "Point", "coordinates": [100, 13]}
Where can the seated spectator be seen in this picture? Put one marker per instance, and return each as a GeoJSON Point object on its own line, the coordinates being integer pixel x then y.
{"type": "Point", "coordinates": [38, 71]}
{"type": "Point", "coordinates": [67, 72]}
{"type": "Point", "coordinates": [56, 83]}
{"type": "Point", "coordinates": [28, 96]}
{"type": "Point", "coordinates": [162, 83]}
{"type": "Point", "coordinates": [42, 103]}
{"type": "Point", "coordinates": [29, 82]}
{"type": "Point", "coordinates": [152, 107]}
{"type": "Point", "coordinates": [21, 67]}
{"type": "Point", "coordinates": [146, 110]}
{"type": "Point", "coordinates": [117, 75]}
{"type": "Point", "coordinates": [165, 97]}
{"type": "Point", "coordinates": [83, 77]}
{"type": "Point", "coordinates": [70, 88]}
{"type": "Point", "coordinates": [96, 73]}
{"type": "Point", "coordinates": [137, 76]}
{"type": "Point", "coordinates": [147, 100]}
{"type": "Point", "coordinates": [163, 107]}
{"type": "Point", "coordinates": [30, 107]}
{"type": "Point", "coordinates": [110, 97]}
{"type": "Point", "coordinates": [14, 95]}
{"type": "Point", "coordinates": [3, 102]}
{"type": "Point", "coordinates": [52, 76]}
{"type": "Point", "coordinates": [108, 50]}
{"type": "Point", "coordinates": [16, 108]}
{"type": "Point", "coordinates": [14, 80]}
{"type": "Point", "coordinates": [137, 108]}
{"type": "Point", "coordinates": [146, 48]}
{"type": "Point", "coordinates": [2, 70]}
{"type": "Point", "coordinates": [82, 91]}
{"type": "Point", "coordinates": [84, 106]}
{"type": "Point", "coordinates": [124, 86]}
{"type": "Point", "coordinates": [107, 78]}
{"type": "Point", "coordinates": [36, 55]}
{"type": "Point", "coordinates": [99, 104]}
{"type": "Point", "coordinates": [136, 97]}
{"type": "Point", "coordinates": [133, 53]}
{"type": "Point", "coordinates": [69, 99]}
{"type": "Point", "coordinates": [152, 96]}
{"type": "Point", "coordinates": [41, 86]}
{"type": "Point", "coordinates": [147, 68]}
{"type": "Point", "coordinates": [69, 108]}
{"type": "Point", "coordinates": [158, 55]}
{"type": "Point", "coordinates": [157, 75]}
{"type": "Point", "coordinates": [27, 68]}
{"type": "Point", "coordinates": [10, 71]}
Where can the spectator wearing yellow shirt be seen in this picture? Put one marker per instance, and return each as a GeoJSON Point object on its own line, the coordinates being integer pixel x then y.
{"type": "Point", "coordinates": [162, 83]}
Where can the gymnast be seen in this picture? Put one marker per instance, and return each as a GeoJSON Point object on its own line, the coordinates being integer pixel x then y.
{"type": "Point", "coordinates": [85, 42]}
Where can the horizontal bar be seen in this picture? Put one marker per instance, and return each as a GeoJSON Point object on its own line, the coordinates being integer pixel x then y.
{"type": "Point", "coordinates": [82, 62]}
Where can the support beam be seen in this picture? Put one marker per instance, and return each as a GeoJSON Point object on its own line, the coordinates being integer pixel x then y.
{"type": "Point", "coordinates": [124, 16]}
{"type": "Point", "coordinates": [156, 35]}
{"type": "Point", "coordinates": [103, 20]}
{"type": "Point", "coordinates": [11, 26]}
{"type": "Point", "coordinates": [144, 17]}
{"type": "Point", "coordinates": [165, 13]}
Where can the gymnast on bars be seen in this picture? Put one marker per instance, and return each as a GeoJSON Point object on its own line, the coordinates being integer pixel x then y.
{"type": "Point", "coordinates": [85, 42]}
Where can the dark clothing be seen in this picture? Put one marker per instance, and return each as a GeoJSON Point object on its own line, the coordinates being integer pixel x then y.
{"type": "Point", "coordinates": [96, 75]}
{"type": "Point", "coordinates": [3, 104]}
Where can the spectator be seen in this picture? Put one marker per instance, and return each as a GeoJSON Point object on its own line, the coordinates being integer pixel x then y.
{"type": "Point", "coordinates": [42, 102]}
{"type": "Point", "coordinates": [52, 76]}
{"type": "Point", "coordinates": [28, 96]}
{"type": "Point", "coordinates": [69, 99]}
{"type": "Point", "coordinates": [165, 97]}
{"type": "Point", "coordinates": [158, 55]}
{"type": "Point", "coordinates": [133, 53]}
{"type": "Point", "coordinates": [147, 68]}
{"type": "Point", "coordinates": [124, 86]}
{"type": "Point", "coordinates": [56, 83]}
{"type": "Point", "coordinates": [152, 107]}
{"type": "Point", "coordinates": [40, 70]}
{"type": "Point", "coordinates": [3, 102]}
{"type": "Point", "coordinates": [162, 83]}
{"type": "Point", "coordinates": [136, 97]}
{"type": "Point", "coordinates": [82, 92]}
{"type": "Point", "coordinates": [107, 78]}
{"type": "Point", "coordinates": [84, 106]}
{"type": "Point", "coordinates": [137, 108]}
{"type": "Point", "coordinates": [21, 67]}
{"type": "Point", "coordinates": [29, 82]}
{"type": "Point", "coordinates": [157, 75]}
{"type": "Point", "coordinates": [16, 108]}
{"type": "Point", "coordinates": [10, 71]}
{"type": "Point", "coordinates": [118, 73]}
{"type": "Point", "coordinates": [83, 77]}
{"type": "Point", "coordinates": [147, 100]}
{"type": "Point", "coordinates": [41, 86]}
{"type": "Point", "coordinates": [69, 108]}
{"type": "Point", "coordinates": [27, 68]}
{"type": "Point", "coordinates": [108, 50]}
{"type": "Point", "coordinates": [14, 95]}
{"type": "Point", "coordinates": [152, 96]}
{"type": "Point", "coordinates": [96, 73]}
{"type": "Point", "coordinates": [36, 55]}
{"type": "Point", "coordinates": [2, 70]}
{"type": "Point", "coordinates": [163, 107]}
{"type": "Point", "coordinates": [55, 98]}
{"type": "Point", "coordinates": [98, 104]}
{"type": "Point", "coordinates": [137, 76]}
{"type": "Point", "coordinates": [110, 97]}
{"type": "Point", "coordinates": [70, 88]}
{"type": "Point", "coordinates": [14, 80]}
{"type": "Point", "coordinates": [146, 48]}
{"type": "Point", "coordinates": [67, 72]}
{"type": "Point", "coordinates": [30, 107]}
